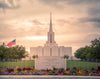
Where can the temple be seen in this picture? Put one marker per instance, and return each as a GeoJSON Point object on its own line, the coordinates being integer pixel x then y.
{"type": "Point", "coordinates": [51, 52]}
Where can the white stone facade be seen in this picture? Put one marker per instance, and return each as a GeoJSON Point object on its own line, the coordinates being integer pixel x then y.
{"type": "Point", "coordinates": [50, 55]}
{"type": "Point", "coordinates": [51, 51]}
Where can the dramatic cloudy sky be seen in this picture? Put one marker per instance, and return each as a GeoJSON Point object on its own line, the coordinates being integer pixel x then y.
{"type": "Point", "coordinates": [75, 22]}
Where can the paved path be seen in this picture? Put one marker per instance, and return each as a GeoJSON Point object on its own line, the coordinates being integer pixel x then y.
{"type": "Point", "coordinates": [46, 77]}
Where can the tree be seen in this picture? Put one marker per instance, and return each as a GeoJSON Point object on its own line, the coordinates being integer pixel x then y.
{"type": "Point", "coordinates": [19, 52]}
{"type": "Point", "coordinates": [82, 52]}
{"type": "Point", "coordinates": [35, 56]}
{"type": "Point", "coordinates": [79, 53]}
{"type": "Point", "coordinates": [16, 52]}
{"type": "Point", "coordinates": [86, 51]}
{"type": "Point", "coordinates": [95, 53]}
{"type": "Point", "coordinates": [95, 42]}
{"type": "Point", "coordinates": [66, 57]}
{"type": "Point", "coordinates": [89, 52]}
{"type": "Point", "coordinates": [8, 54]}
{"type": "Point", "coordinates": [2, 52]}
{"type": "Point", "coordinates": [95, 45]}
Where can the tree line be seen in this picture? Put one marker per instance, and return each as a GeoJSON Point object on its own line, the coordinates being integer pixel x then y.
{"type": "Point", "coordinates": [12, 53]}
{"type": "Point", "coordinates": [91, 52]}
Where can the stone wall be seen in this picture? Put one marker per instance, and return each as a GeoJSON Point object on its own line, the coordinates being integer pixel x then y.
{"type": "Point", "coordinates": [50, 62]}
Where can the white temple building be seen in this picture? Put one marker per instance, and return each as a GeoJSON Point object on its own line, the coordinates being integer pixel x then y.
{"type": "Point", "coordinates": [50, 52]}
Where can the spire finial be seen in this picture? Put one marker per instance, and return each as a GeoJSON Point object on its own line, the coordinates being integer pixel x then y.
{"type": "Point", "coordinates": [50, 22]}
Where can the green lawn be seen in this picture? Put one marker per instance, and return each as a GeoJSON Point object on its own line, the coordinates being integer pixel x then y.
{"type": "Point", "coordinates": [78, 64]}
{"type": "Point", "coordinates": [82, 64]}
{"type": "Point", "coordinates": [19, 63]}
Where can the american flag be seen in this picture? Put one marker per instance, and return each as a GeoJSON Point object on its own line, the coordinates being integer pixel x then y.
{"type": "Point", "coordinates": [11, 43]}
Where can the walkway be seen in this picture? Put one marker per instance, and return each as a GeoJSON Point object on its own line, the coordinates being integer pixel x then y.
{"type": "Point", "coordinates": [46, 77]}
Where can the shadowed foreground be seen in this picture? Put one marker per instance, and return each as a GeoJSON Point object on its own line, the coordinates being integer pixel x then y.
{"type": "Point", "coordinates": [49, 77]}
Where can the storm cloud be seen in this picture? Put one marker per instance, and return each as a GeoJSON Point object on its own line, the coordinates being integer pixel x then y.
{"type": "Point", "coordinates": [75, 22]}
{"type": "Point", "coordinates": [9, 4]}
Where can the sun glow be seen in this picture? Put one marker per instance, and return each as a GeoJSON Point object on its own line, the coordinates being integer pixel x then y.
{"type": "Point", "coordinates": [37, 38]}
{"type": "Point", "coordinates": [28, 50]}
{"type": "Point", "coordinates": [27, 24]}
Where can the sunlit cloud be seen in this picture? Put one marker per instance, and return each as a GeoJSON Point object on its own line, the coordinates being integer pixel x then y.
{"type": "Point", "coordinates": [36, 38]}
{"type": "Point", "coordinates": [75, 22]}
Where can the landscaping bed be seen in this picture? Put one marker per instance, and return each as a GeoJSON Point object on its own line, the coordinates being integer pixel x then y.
{"type": "Point", "coordinates": [29, 71]}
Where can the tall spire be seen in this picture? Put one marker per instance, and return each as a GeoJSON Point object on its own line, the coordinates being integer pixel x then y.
{"type": "Point", "coordinates": [50, 41]}
{"type": "Point", "coordinates": [50, 29]}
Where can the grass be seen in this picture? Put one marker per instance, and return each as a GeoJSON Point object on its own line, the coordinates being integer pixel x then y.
{"type": "Point", "coordinates": [78, 64]}
{"type": "Point", "coordinates": [19, 63]}
{"type": "Point", "coordinates": [82, 64]}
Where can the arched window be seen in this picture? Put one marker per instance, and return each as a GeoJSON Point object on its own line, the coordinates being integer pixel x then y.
{"type": "Point", "coordinates": [50, 38]}
{"type": "Point", "coordinates": [50, 51]}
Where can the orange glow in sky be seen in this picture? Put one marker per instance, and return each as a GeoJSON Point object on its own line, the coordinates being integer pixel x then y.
{"type": "Point", "coordinates": [75, 22]}
{"type": "Point", "coordinates": [37, 38]}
